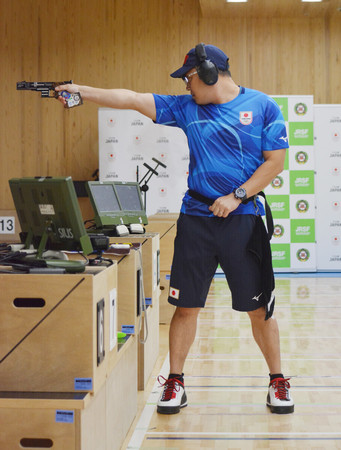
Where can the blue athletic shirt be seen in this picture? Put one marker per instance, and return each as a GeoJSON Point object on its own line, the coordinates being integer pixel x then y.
{"type": "Point", "coordinates": [225, 142]}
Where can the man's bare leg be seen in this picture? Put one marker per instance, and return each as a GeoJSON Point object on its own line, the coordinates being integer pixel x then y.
{"type": "Point", "coordinates": [182, 332]}
{"type": "Point", "coordinates": [266, 334]}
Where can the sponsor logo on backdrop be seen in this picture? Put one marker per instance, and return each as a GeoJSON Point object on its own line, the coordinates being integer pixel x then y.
{"type": "Point", "coordinates": [301, 133]}
{"type": "Point", "coordinates": [162, 140]}
{"type": "Point", "coordinates": [111, 122]}
{"type": "Point", "coordinates": [278, 255]}
{"type": "Point", "coordinates": [137, 157]}
{"type": "Point", "coordinates": [302, 182]}
{"type": "Point", "coordinates": [277, 182]}
{"type": "Point", "coordinates": [301, 109]}
{"type": "Point", "coordinates": [277, 206]}
{"type": "Point", "coordinates": [137, 139]}
{"type": "Point", "coordinates": [335, 189]}
{"type": "Point", "coordinates": [111, 140]}
{"type": "Point", "coordinates": [335, 119]}
{"type": "Point", "coordinates": [303, 254]}
{"type": "Point", "coordinates": [162, 210]}
{"type": "Point", "coordinates": [301, 157]}
{"type": "Point", "coordinates": [303, 230]}
{"type": "Point", "coordinates": [162, 191]}
{"type": "Point", "coordinates": [335, 223]}
{"type": "Point", "coordinates": [185, 158]}
{"type": "Point", "coordinates": [111, 175]}
{"type": "Point", "coordinates": [278, 231]}
{"type": "Point", "coordinates": [336, 170]}
{"type": "Point", "coordinates": [137, 123]}
{"type": "Point", "coordinates": [335, 154]}
{"type": "Point", "coordinates": [336, 205]}
{"type": "Point", "coordinates": [163, 157]}
{"type": "Point", "coordinates": [111, 156]}
{"type": "Point", "coordinates": [163, 175]}
{"type": "Point", "coordinates": [245, 117]}
{"type": "Point", "coordinates": [335, 258]}
{"type": "Point", "coordinates": [302, 206]}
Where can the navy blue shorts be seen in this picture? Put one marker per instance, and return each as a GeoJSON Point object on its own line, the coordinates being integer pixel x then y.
{"type": "Point", "coordinates": [200, 245]}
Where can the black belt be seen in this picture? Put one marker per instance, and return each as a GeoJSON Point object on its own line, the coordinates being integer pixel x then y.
{"type": "Point", "coordinates": [268, 214]}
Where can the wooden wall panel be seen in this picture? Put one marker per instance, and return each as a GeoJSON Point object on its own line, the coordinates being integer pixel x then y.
{"type": "Point", "coordinates": [136, 45]}
{"type": "Point", "coordinates": [333, 87]}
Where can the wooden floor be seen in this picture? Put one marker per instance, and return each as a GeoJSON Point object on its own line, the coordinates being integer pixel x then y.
{"type": "Point", "coordinates": [226, 377]}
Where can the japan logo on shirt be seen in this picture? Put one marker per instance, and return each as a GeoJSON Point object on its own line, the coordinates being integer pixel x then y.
{"type": "Point", "coordinates": [245, 117]}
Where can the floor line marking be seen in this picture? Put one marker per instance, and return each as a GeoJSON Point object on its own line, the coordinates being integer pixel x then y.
{"type": "Point", "coordinates": [282, 337]}
{"type": "Point", "coordinates": [236, 433]}
{"type": "Point", "coordinates": [175, 438]}
{"type": "Point", "coordinates": [259, 359]}
{"type": "Point", "coordinates": [261, 376]}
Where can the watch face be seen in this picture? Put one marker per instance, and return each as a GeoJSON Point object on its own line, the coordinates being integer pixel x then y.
{"type": "Point", "coordinates": [240, 193]}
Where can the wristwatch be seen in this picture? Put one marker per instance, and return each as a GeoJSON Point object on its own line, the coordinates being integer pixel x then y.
{"type": "Point", "coordinates": [240, 194]}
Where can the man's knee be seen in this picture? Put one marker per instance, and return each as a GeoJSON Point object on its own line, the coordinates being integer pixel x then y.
{"type": "Point", "coordinates": [257, 314]}
{"type": "Point", "coordinates": [184, 313]}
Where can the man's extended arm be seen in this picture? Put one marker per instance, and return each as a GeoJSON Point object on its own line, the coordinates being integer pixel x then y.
{"type": "Point", "coordinates": [114, 98]}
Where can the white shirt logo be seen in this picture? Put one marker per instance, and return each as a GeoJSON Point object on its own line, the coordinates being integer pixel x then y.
{"type": "Point", "coordinates": [245, 117]}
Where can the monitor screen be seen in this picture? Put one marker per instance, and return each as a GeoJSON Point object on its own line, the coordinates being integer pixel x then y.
{"type": "Point", "coordinates": [129, 196]}
{"type": "Point", "coordinates": [49, 214]}
{"type": "Point", "coordinates": [104, 200]}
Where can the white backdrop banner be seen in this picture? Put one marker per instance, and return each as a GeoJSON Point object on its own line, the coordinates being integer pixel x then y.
{"type": "Point", "coordinates": [127, 139]}
{"type": "Point", "coordinates": [328, 186]}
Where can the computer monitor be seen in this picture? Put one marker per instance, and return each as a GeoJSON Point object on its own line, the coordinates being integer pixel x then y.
{"type": "Point", "coordinates": [49, 214]}
{"type": "Point", "coordinates": [103, 198]}
{"type": "Point", "coordinates": [129, 196]}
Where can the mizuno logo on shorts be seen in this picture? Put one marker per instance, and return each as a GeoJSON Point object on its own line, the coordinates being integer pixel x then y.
{"type": "Point", "coordinates": [174, 293]}
{"type": "Point", "coordinates": [256, 297]}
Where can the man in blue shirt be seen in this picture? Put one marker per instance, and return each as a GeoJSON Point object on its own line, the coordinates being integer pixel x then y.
{"type": "Point", "coordinates": [237, 141]}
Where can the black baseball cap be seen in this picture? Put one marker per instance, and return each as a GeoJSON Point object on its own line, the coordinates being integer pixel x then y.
{"type": "Point", "coordinates": [214, 54]}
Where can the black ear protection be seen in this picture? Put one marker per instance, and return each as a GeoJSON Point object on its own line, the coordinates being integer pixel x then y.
{"type": "Point", "coordinates": [207, 70]}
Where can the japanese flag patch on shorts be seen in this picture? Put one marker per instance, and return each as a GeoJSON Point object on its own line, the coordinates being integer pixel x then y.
{"type": "Point", "coordinates": [174, 293]}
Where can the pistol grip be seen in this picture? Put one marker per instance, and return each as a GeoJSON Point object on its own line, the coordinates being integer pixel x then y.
{"type": "Point", "coordinates": [72, 100]}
